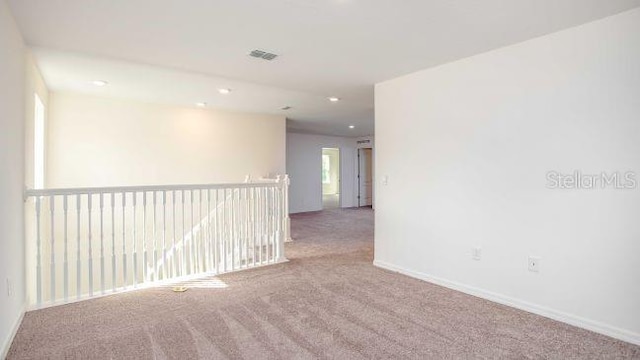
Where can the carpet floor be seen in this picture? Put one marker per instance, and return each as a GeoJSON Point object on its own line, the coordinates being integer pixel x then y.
{"type": "Point", "coordinates": [328, 301]}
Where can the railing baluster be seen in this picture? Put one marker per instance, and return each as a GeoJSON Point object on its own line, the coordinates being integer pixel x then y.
{"type": "Point", "coordinates": [145, 260]}
{"type": "Point", "coordinates": [245, 222]}
{"type": "Point", "coordinates": [260, 224]}
{"type": "Point", "coordinates": [237, 229]}
{"type": "Point", "coordinates": [287, 220]}
{"type": "Point", "coordinates": [252, 192]}
{"type": "Point", "coordinates": [224, 237]}
{"type": "Point", "coordinates": [124, 240]}
{"type": "Point", "coordinates": [209, 251]}
{"type": "Point", "coordinates": [265, 230]}
{"type": "Point", "coordinates": [217, 245]}
{"type": "Point", "coordinates": [234, 233]}
{"type": "Point", "coordinates": [52, 254]}
{"type": "Point", "coordinates": [266, 225]}
{"type": "Point", "coordinates": [276, 228]}
{"type": "Point", "coordinates": [216, 227]}
{"type": "Point", "coordinates": [66, 247]}
{"type": "Point", "coordinates": [201, 247]}
{"type": "Point", "coordinates": [175, 235]}
{"type": "Point", "coordinates": [155, 240]}
{"type": "Point", "coordinates": [89, 247]}
{"type": "Point", "coordinates": [281, 216]}
{"type": "Point", "coordinates": [254, 224]}
{"type": "Point", "coordinates": [242, 224]}
{"type": "Point", "coordinates": [38, 255]}
{"type": "Point", "coordinates": [102, 243]}
{"type": "Point", "coordinates": [240, 227]}
{"type": "Point", "coordinates": [229, 233]}
{"type": "Point", "coordinates": [200, 236]}
{"type": "Point", "coordinates": [282, 219]}
{"type": "Point", "coordinates": [276, 221]}
{"type": "Point", "coordinates": [228, 236]}
{"type": "Point", "coordinates": [135, 240]}
{"type": "Point", "coordinates": [183, 247]}
{"type": "Point", "coordinates": [196, 234]}
{"type": "Point", "coordinates": [191, 254]}
{"type": "Point", "coordinates": [250, 243]}
{"type": "Point", "coordinates": [113, 242]}
{"type": "Point", "coordinates": [271, 227]}
{"type": "Point", "coordinates": [164, 235]}
{"type": "Point", "coordinates": [194, 237]}
{"type": "Point", "coordinates": [78, 259]}
{"type": "Point", "coordinates": [263, 223]}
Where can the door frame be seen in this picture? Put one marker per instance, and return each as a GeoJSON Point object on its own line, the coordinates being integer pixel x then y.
{"type": "Point", "coordinates": [340, 192]}
{"type": "Point", "coordinates": [358, 178]}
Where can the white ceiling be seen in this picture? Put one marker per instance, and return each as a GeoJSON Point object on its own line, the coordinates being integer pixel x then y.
{"type": "Point", "coordinates": [181, 51]}
{"type": "Point", "coordinates": [65, 71]}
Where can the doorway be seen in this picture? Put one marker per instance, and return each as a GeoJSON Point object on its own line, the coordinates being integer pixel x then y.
{"type": "Point", "coordinates": [330, 178]}
{"type": "Point", "coordinates": [365, 177]}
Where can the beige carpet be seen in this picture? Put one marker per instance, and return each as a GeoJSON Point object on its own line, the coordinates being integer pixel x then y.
{"type": "Point", "coordinates": [327, 302]}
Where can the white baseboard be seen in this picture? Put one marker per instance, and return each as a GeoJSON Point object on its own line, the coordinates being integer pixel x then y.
{"type": "Point", "coordinates": [4, 350]}
{"type": "Point", "coordinates": [570, 319]}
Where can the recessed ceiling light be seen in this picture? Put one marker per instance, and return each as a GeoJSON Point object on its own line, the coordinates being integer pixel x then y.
{"type": "Point", "coordinates": [99, 82]}
{"type": "Point", "coordinates": [352, 126]}
{"type": "Point", "coordinates": [334, 99]}
{"type": "Point", "coordinates": [201, 104]}
{"type": "Point", "coordinates": [285, 108]}
{"type": "Point", "coordinates": [224, 91]}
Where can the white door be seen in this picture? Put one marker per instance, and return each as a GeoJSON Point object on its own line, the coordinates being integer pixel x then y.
{"type": "Point", "coordinates": [365, 181]}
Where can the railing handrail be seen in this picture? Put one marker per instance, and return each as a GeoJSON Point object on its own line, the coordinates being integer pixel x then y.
{"type": "Point", "coordinates": [129, 189]}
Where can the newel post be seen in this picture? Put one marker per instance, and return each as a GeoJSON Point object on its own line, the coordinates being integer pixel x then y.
{"type": "Point", "coordinates": [281, 182]}
{"type": "Point", "coordinates": [287, 220]}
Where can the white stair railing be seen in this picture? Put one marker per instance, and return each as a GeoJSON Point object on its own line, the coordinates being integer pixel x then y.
{"type": "Point", "coordinates": [87, 242]}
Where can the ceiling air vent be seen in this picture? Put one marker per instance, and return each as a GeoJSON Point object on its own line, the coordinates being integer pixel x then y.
{"type": "Point", "coordinates": [263, 55]}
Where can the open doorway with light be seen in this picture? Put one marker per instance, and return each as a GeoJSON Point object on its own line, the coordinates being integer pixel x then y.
{"type": "Point", "coordinates": [365, 177]}
{"type": "Point", "coordinates": [330, 178]}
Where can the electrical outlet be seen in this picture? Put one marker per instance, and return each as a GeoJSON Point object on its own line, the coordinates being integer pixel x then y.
{"type": "Point", "coordinates": [476, 253]}
{"type": "Point", "coordinates": [534, 263]}
{"type": "Point", "coordinates": [385, 180]}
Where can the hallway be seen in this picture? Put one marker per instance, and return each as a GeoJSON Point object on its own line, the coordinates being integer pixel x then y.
{"type": "Point", "coordinates": [328, 301]}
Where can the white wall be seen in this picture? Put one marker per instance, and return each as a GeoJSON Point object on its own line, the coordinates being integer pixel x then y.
{"type": "Point", "coordinates": [12, 84]}
{"type": "Point", "coordinates": [466, 147]}
{"type": "Point", "coordinates": [304, 166]}
{"type": "Point", "coordinates": [97, 141]}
